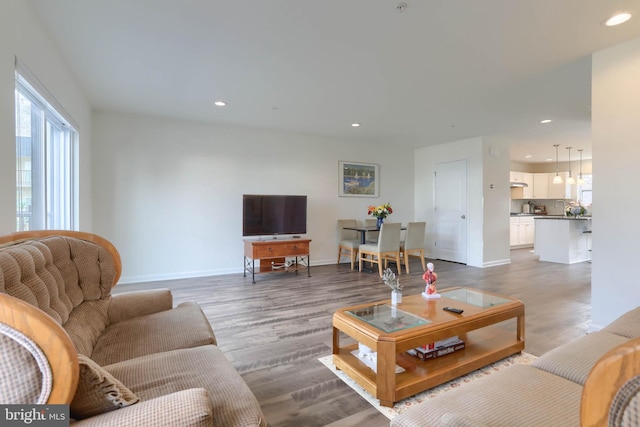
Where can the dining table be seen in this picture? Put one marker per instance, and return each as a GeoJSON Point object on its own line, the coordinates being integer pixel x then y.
{"type": "Point", "coordinates": [366, 228]}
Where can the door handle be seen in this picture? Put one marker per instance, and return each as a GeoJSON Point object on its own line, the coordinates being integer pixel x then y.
{"type": "Point", "coordinates": [463, 216]}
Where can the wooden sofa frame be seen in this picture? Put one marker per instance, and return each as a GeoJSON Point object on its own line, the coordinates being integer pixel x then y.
{"type": "Point", "coordinates": [50, 337]}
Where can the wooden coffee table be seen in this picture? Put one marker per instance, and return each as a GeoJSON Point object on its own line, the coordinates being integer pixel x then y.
{"type": "Point", "coordinates": [392, 331]}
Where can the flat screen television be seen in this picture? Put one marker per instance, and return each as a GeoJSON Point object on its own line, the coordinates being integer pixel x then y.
{"type": "Point", "coordinates": [264, 214]}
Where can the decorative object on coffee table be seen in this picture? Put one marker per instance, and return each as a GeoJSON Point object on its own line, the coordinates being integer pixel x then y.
{"type": "Point", "coordinates": [389, 278]}
{"type": "Point", "coordinates": [430, 278]}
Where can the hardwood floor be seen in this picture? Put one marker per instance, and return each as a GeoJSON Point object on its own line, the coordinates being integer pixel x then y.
{"type": "Point", "coordinates": [274, 331]}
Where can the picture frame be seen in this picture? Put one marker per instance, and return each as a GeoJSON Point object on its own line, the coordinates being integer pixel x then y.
{"type": "Point", "coordinates": [358, 179]}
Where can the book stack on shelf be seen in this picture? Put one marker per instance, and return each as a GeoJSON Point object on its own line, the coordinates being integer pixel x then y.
{"type": "Point", "coordinates": [438, 348]}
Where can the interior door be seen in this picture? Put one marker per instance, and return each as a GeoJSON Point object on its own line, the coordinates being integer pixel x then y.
{"type": "Point", "coordinates": [451, 211]}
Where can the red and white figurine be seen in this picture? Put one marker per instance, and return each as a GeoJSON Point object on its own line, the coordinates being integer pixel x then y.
{"type": "Point", "coordinates": [430, 278]}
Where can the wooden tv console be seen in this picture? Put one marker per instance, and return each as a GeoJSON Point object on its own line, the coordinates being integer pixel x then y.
{"type": "Point", "coordinates": [273, 254]}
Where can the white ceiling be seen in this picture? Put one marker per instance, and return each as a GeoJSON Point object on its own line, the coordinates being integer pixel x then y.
{"type": "Point", "coordinates": [439, 71]}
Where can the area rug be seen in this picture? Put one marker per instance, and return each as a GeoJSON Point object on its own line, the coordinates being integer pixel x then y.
{"type": "Point", "coordinates": [401, 406]}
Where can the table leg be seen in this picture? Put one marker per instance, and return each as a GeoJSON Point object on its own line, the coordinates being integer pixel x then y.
{"type": "Point", "coordinates": [386, 373]}
{"type": "Point", "coordinates": [520, 331]}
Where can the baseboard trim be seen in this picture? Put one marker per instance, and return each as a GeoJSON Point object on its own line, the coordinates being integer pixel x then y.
{"type": "Point", "coordinates": [201, 273]}
{"type": "Point", "coordinates": [496, 263]}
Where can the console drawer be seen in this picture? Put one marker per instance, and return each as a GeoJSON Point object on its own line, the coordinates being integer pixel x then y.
{"type": "Point", "coordinates": [280, 250]}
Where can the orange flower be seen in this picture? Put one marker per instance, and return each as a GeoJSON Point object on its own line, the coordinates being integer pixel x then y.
{"type": "Point", "coordinates": [381, 211]}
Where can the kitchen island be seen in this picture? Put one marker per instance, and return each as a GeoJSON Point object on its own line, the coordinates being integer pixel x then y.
{"type": "Point", "coordinates": [562, 239]}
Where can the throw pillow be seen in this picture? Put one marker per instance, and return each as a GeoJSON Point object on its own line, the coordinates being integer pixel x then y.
{"type": "Point", "coordinates": [98, 391]}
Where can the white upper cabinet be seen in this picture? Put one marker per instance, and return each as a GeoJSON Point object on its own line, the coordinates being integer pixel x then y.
{"type": "Point", "coordinates": [527, 192]}
{"type": "Point", "coordinates": [564, 190]}
{"type": "Point", "coordinates": [515, 176]}
{"type": "Point", "coordinates": [522, 192]}
{"type": "Point", "coordinates": [540, 186]}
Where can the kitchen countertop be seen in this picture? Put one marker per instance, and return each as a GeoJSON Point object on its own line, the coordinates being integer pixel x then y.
{"type": "Point", "coordinates": [561, 217]}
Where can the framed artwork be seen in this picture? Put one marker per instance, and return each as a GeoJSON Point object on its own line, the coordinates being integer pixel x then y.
{"type": "Point", "coordinates": [358, 179]}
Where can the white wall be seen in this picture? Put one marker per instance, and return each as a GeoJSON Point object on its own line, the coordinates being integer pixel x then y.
{"type": "Point", "coordinates": [22, 35]}
{"type": "Point", "coordinates": [615, 287]}
{"type": "Point", "coordinates": [168, 193]}
{"type": "Point", "coordinates": [496, 204]}
{"type": "Point", "coordinates": [481, 251]}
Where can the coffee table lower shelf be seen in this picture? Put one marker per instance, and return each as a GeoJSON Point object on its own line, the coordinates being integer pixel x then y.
{"type": "Point", "coordinates": [483, 347]}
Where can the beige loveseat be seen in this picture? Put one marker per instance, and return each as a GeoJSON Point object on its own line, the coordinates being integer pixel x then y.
{"type": "Point", "coordinates": [129, 359]}
{"type": "Point", "coordinates": [590, 381]}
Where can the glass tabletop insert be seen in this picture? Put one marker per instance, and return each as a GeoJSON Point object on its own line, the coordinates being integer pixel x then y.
{"type": "Point", "coordinates": [473, 297]}
{"type": "Point", "coordinates": [387, 318]}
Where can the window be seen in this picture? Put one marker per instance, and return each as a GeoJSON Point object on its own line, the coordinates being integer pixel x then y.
{"type": "Point", "coordinates": [45, 191]}
{"type": "Point", "coordinates": [585, 191]}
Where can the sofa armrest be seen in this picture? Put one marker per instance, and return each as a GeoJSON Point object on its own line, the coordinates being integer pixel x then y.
{"type": "Point", "coordinates": [612, 387]}
{"type": "Point", "coordinates": [188, 408]}
{"type": "Point", "coordinates": [128, 305]}
{"type": "Point", "coordinates": [38, 351]}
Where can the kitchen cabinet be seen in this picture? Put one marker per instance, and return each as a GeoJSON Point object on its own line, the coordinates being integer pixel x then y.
{"type": "Point", "coordinates": [564, 190]}
{"type": "Point", "coordinates": [521, 231]}
{"type": "Point", "coordinates": [540, 186]}
{"type": "Point", "coordinates": [515, 176]}
{"type": "Point", "coordinates": [527, 192]}
{"type": "Point", "coordinates": [522, 192]}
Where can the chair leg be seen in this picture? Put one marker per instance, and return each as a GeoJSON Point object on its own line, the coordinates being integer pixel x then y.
{"type": "Point", "coordinates": [406, 261]}
{"type": "Point", "coordinates": [424, 267]}
{"type": "Point", "coordinates": [353, 258]}
{"type": "Point", "coordinates": [339, 254]}
{"type": "Point", "coordinates": [380, 261]}
{"type": "Point", "coordinates": [398, 263]}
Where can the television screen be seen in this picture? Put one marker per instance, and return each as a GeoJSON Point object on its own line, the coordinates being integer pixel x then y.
{"type": "Point", "coordinates": [272, 214]}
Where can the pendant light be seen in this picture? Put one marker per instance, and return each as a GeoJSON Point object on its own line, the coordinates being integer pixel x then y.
{"type": "Point", "coordinates": [557, 179]}
{"type": "Point", "coordinates": [570, 180]}
{"type": "Point", "coordinates": [580, 178]}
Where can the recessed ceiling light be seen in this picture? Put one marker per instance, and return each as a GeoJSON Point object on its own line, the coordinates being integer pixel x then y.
{"type": "Point", "coordinates": [220, 103]}
{"type": "Point", "coordinates": [618, 19]}
{"type": "Point", "coordinates": [355, 125]}
{"type": "Point", "coordinates": [548, 160]}
{"type": "Point", "coordinates": [528, 156]}
{"type": "Point", "coordinates": [546, 121]}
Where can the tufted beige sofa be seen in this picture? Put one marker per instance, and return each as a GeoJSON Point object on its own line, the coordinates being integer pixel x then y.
{"type": "Point", "coordinates": [593, 380]}
{"type": "Point", "coordinates": [125, 359]}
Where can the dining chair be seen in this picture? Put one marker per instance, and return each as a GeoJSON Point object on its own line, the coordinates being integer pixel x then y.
{"type": "Point", "coordinates": [413, 245]}
{"type": "Point", "coordinates": [371, 236]}
{"type": "Point", "coordinates": [387, 248]}
{"type": "Point", "coordinates": [348, 240]}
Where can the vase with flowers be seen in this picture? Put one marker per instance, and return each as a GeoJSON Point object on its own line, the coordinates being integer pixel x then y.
{"type": "Point", "coordinates": [389, 278]}
{"type": "Point", "coordinates": [575, 209]}
{"type": "Point", "coordinates": [380, 212]}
